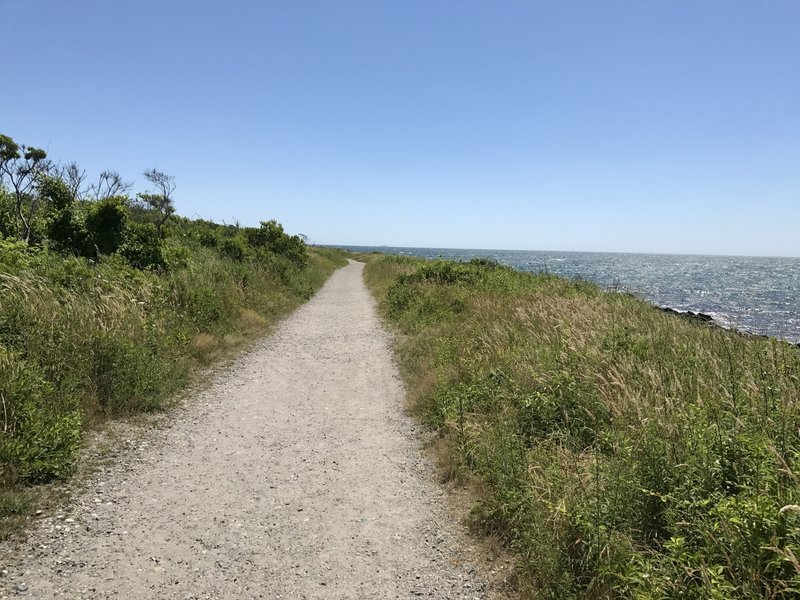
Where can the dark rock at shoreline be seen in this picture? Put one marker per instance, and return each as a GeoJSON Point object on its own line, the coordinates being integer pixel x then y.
{"type": "Point", "coordinates": [702, 316]}
{"type": "Point", "coordinates": [706, 318]}
{"type": "Point", "coordinates": [692, 315]}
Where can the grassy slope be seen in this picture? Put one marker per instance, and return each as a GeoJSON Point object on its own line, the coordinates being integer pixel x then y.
{"type": "Point", "coordinates": [83, 342]}
{"type": "Point", "coordinates": [619, 451]}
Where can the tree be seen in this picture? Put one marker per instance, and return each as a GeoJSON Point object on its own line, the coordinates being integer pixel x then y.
{"type": "Point", "coordinates": [22, 166]}
{"type": "Point", "coordinates": [65, 232]}
{"type": "Point", "coordinates": [73, 176]}
{"type": "Point", "coordinates": [109, 184]}
{"type": "Point", "coordinates": [161, 199]}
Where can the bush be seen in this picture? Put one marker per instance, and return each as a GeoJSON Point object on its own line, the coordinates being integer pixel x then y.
{"type": "Point", "coordinates": [40, 433]}
{"type": "Point", "coordinates": [143, 247]}
{"type": "Point", "coordinates": [8, 220]}
{"type": "Point", "coordinates": [232, 248]}
{"type": "Point", "coordinates": [208, 239]}
{"type": "Point", "coordinates": [106, 225]}
{"type": "Point", "coordinates": [16, 255]}
{"type": "Point", "coordinates": [65, 228]}
{"type": "Point", "coordinates": [271, 236]}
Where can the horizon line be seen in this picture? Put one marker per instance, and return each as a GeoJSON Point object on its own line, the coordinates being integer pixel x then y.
{"type": "Point", "coordinates": [703, 254]}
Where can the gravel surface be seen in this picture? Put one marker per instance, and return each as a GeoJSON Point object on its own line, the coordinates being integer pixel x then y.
{"type": "Point", "coordinates": [296, 474]}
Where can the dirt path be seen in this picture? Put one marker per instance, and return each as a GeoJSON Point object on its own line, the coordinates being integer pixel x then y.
{"type": "Point", "coordinates": [295, 475]}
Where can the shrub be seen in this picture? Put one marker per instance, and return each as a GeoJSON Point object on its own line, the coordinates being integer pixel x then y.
{"type": "Point", "coordinates": [64, 227]}
{"type": "Point", "coordinates": [106, 224]}
{"type": "Point", "coordinates": [271, 236]}
{"type": "Point", "coordinates": [232, 248]}
{"type": "Point", "coordinates": [8, 223]}
{"type": "Point", "coordinates": [208, 239]}
{"type": "Point", "coordinates": [40, 433]}
{"type": "Point", "coordinates": [143, 247]}
{"type": "Point", "coordinates": [16, 255]}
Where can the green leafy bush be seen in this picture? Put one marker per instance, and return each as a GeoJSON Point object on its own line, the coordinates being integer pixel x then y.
{"type": "Point", "coordinates": [106, 224]}
{"type": "Point", "coordinates": [271, 237]}
{"type": "Point", "coordinates": [233, 248]}
{"type": "Point", "coordinates": [143, 246]}
{"type": "Point", "coordinates": [208, 238]}
{"type": "Point", "coordinates": [40, 433]}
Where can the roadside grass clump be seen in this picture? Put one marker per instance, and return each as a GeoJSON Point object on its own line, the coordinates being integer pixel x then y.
{"type": "Point", "coordinates": [618, 451]}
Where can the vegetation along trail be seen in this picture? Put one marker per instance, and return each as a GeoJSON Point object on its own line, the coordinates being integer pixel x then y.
{"type": "Point", "coordinates": [295, 475]}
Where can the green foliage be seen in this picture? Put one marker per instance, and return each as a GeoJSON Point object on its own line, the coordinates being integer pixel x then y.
{"type": "Point", "coordinates": [105, 311]}
{"type": "Point", "coordinates": [9, 149]}
{"type": "Point", "coordinates": [176, 255]}
{"type": "Point", "coordinates": [233, 248]}
{"type": "Point", "coordinates": [161, 201]}
{"type": "Point", "coordinates": [56, 193]}
{"type": "Point", "coordinates": [7, 216]}
{"type": "Point", "coordinates": [40, 438]}
{"type": "Point", "coordinates": [271, 237]}
{"type": "Point", "coordinates": [208, 238]}
{"type": "Point", "coordinates": [16, 255]}
{"type": "Point", "coordinates": [621, 452]}
{"type": "Point", "coordinates": [21, 167]}
{"type": "Point", "coordinates": [64, 227]}
{"type": "Point", "coordinates": [131, 337]}
{"type": "Point", "coordinates": [34, 154]}
{"type": "Point", "coordinates": [44, 446]}
{"type": "Point", "coordinates": [143, 247]}
{"type": "Point", "coordinates": [105, 224]}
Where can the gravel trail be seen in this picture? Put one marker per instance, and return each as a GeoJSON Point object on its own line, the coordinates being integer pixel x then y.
{"type": "Point", "coordinates": [296, 474]}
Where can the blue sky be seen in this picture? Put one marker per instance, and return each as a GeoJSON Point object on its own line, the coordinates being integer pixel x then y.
{"type": "Point", "coordinates": [612, 126]}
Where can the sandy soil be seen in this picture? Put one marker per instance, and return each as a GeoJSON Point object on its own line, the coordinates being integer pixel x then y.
{"type": "Point", "coordinates": [296, 474]}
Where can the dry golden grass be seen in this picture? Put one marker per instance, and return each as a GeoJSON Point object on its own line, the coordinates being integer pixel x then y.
{"type": "Point", "coordinates": [250, 320]}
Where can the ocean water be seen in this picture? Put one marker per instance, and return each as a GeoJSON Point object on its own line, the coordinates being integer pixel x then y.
{"type": "Point", "coordinates": [756, 294]}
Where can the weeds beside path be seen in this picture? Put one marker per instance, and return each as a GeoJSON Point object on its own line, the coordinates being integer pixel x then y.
{"type": "Point", "coordinates": [619, 451]}
{"type": "Point", "coordinates": [82, 342]}
{"type": "Point", "coordinates": [296, 474]}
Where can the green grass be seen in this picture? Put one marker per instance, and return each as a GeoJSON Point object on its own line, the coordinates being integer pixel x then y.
{"type": "Point", "coordinates": [618, 451]}
{"type": "Point", "coordinates": [82, 341]}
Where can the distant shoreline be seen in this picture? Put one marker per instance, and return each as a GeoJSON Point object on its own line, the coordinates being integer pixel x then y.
{"type": "Point", "coordinates": [755, 295]}
{"type": "Point", "coordinates": [415, 249]}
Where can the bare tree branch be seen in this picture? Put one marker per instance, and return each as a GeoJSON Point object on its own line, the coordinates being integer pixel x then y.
{"type": "Point", "coordinates": [109, 184]}
{"type": "Point", "coordinates": [74, 177]}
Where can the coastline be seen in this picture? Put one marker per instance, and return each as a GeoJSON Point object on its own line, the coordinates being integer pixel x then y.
{"type": "Point", "coordinates": [710, 320]}
{"type": "Point", "coordinates": [611, 444]}
{"type": "Point", "coordinates": [753, 295]}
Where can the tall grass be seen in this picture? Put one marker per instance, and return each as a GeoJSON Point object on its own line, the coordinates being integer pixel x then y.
{"type": "Point", "coordinates": [83, 341]}
{"type": "Point", "coordinates": [620, 452]}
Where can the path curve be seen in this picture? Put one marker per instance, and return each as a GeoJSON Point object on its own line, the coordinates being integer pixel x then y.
{"type": "Point", "coordinates": [294, 475]}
